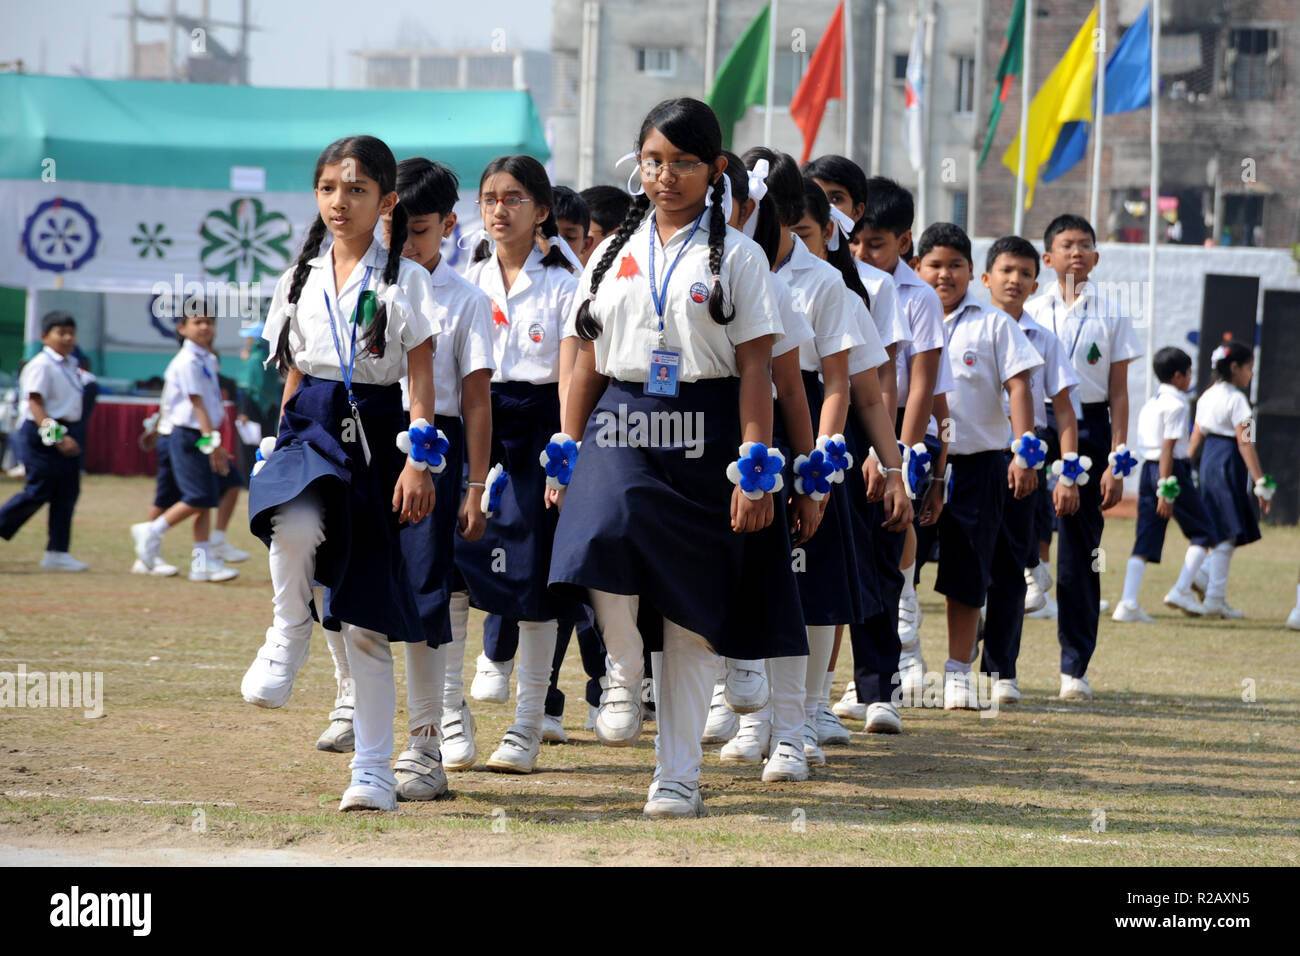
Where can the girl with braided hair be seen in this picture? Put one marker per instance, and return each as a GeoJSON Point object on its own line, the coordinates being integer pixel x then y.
{"type": "Point", "coordinates": [347, 323]}
{"type": "Point", "coordinates": [654, 523]}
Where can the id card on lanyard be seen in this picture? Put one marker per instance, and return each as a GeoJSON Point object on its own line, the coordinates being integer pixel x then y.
{"type": "Point", "coordinates": [665, 363]}
{"type": "Point", "coordinates": [349, 366]}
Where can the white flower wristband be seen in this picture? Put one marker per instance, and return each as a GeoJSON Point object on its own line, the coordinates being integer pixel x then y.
{"type": "Point", "coordinates": [209, 443]}
{"type": "Point", "coordinates": [1265, 487]}
{"type": "Point", "coordinates": [757, 471]}
{"type": "Point", "coordinates": [52, 432]}
{"type": "Point", "coordinates": [559, 458]}
{"type": "Point", "coordinates": [497, 479]}
{"type": "Point", "coordinates": [1072, 469]}
{"type": "Point", "coordinates": [1029, 451]}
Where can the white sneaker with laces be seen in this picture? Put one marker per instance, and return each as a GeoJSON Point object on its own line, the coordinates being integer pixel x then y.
{"type": "Point", "coordinates": [959, 691]}
{"type": "Point", "coordinates": [811, 748]}
{"type": "Point", "coordinates": [553, 730]}
{"type": "Point", "coordinates": [1184, 601]}
{"type": "Point", "coordinates": [751, 743]}
{"type": "Point", "coordinates": [746, 689]}
{"type": "Point", "coordinates": [1048, 612]}
{"type": "Point", "coordinates": [1075, 688]}
{"type": "Point", "coordinates": [518, 751]}
{"type": "Point", "coordinates": [674, 799]}
{"type": "Point", "coordinates": [62, 561]}
{"type": "Point", "coordinates": [618, 721]}
{"type": "Point", "coordinates": [228, 553]}
{"type": "Point", "coordinates": [1035, 595]}
{"type": "Point", "coordinates": [882, 718]}
{"type": "Point", "coordinates": [849, 707]}
{"type": "Point", "coordinates": [1218, 607]}
{"type": "Point", "coordinates": [1128, 612]}
{"type": "Point", "coordinates": [830, 732]}
{"type": "Point", "coordinates": [268, 682]}
{"type": "Point", "coordinates": [159, 568]}
{"type": "Point", "coordinates": [338, 737]}
{"type": "Point", "coordinates": [419, 772]}
{"type": "Point", "coordinates": [723, 722]}
{"type": "Point", "coordinates": [146, 542]}
{"type": "Point", "coordinates": [1293, 619]}
{"type": "Point", "coordinates": [491, 680]}
{"type": "Point", "coordinates": [909, 620]}
{"type": "Point", "coordinates": [370, 790]}
{"type": "Point", "coordinates": [787, 763]}
{"type": "Point", "coordinates": [457, 733]}
{"type": "Point", "coordinates": [207, 567]}
{"type": "Point", "coordinates": [911, 674]}
{"type": "Point", "coordinates": [1006, 691]}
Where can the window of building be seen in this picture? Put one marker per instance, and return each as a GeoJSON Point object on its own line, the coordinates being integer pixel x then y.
{"type": "Point", "coordinates": [960, 206]}
{"type": "Point", "coordinates": [388, 72]}
{"type": "Point", "coordinates": [1187, 65]}
{"type": "Point", "coordinates": [1243, 221]}
{"type": "Point", "coordinates": [564, 82]}
{"type": "Point", "coordinates": [656, 61]}
{"type": "Point", "coordinates": [490, 72]}
{"type": "Point", "coordinates": [439, 72]}
{"type": "Point", "coordinates": [965, 84]}
{"type": "Point", "coordinates": [790, 68]}
{"type": "Point", "coordinates": [1252, 63]}
{"type": "Point", "coordinates": [900, 67]}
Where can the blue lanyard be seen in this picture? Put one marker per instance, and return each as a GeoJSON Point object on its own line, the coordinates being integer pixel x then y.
{"type": "Point", "coordinates": [347, 367]}
{"type": "Point", "coordinates": [660, 298]}
{"type": "Point", "coordinates": [788, 256]}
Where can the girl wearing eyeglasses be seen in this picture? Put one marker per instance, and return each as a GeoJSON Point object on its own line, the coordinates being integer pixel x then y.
{"type": "Point", "coordinates": [521, 266]}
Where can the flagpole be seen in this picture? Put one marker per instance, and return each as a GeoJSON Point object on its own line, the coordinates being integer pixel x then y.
{"type": "Point", "coordinates": [923, 177]}
{"type": "Point", "coordinates": [848, 79]}
{"type": "Point", "coordinates": [771, 73]}
{"type": "Point", "coordinates": [972, 193]}
{"type": "Point", "coordinates": [1098, 121]}
{"type": "Point", "coordinates": [878, 89]}
{"type": "Point", "coordinates": [1152, 212]}
{"type": "Point", "coordinates": [1027, 80]}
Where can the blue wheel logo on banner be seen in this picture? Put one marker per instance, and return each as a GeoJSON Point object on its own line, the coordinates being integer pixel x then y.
{"type": "Point", "coordinates": [60, 235]}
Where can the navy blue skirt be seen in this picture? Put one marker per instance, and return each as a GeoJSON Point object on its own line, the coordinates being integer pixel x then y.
{"type": "Point", "coordinates": [506, 570]}
{"type": "Point", "coordinates": [428, 547]}
{"type": "Point", "coordinates": [873, 546]}
{"type": "Point", "coordinates": [1226, 489]}
{"type": "Point", "coordinates": [360, 561]}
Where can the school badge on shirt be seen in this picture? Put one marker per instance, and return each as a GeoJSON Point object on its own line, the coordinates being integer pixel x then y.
{"type": "Point", "coordinates": [1094, 354]}
{"type": "Point", "coordinates": [699, 292]}
{"type": "Point", "coordinates": [968, 357]}
{"type": "Point", "coordinates": [536, 332]}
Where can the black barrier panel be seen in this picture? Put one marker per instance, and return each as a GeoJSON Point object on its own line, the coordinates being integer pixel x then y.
{"type": "Point", "coordinates": [1227, 307]}
{"type": "Point", "coordinates": [1278, 408]}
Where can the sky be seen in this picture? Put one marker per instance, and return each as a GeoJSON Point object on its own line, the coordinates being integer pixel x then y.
{"type": "Point", "coordinates": [296, 45]}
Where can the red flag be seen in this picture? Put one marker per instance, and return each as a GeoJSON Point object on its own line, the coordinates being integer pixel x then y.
{"type": "Point", "coordinates": [627, 268]}
{"type": "Point", "coordinates": [823, 81]}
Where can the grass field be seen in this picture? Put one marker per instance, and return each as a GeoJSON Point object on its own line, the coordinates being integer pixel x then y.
{"type": "Point", "coordinates": [1189, 755]}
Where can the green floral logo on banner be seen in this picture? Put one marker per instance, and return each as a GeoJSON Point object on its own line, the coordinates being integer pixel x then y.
{"type": "Point", "coordinates": [151, 240]}
{"type": "Point", "coordinates": [246, 242]}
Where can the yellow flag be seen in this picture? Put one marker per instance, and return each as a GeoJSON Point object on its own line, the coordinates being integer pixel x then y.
{"type": "Point", "coordinates": [1065, 97]}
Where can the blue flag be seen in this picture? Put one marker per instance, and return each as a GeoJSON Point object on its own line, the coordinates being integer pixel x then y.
{"type": "Point", "coordinates": [1128, 87]}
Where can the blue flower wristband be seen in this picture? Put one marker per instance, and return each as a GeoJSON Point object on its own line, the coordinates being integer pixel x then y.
{"type": "Point", "coordinates": [425, 446]}
{"type": "Point", "coordinates": [1072, 469]}
{"type": "Point", "coordinates": [1029, 451]}
{"type": "Point", "coordinates": [757, 471]}
{"type": "Point", "coordinates": [559, 458]}
{"type": "Point", "coordinates": [813, 475]}
{"type": "Point", "coordinates": [1121, 461]}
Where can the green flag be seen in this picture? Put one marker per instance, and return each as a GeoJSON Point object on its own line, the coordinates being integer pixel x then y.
{"type": "Point", "coordinates": [1011, 65]}
{"type": "Point", "coordinates": [742, 81]}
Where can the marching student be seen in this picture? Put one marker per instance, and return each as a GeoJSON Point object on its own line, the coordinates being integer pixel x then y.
{"type": "Point", "coordinates": [573, 220]}
{"type": "Point", "coordinates": [1166, 491]}
{"type": "Point", "coordinates": [1100, 343]}
{"type": "Point", "coordinates": [608, 206]}
{"type": "Point", "coordinates": [988, 354]}
{"type": "Point", "coordinates": [194, 473]}
{"type": "Point", "coordinates": [50, 398]}
{"type": "Point", "coordinates": [1231, 474]}
{"type": "Point", "coordinates": [522, 269]}
{"type": "Point", "coordinates": [1011, 276]}
{"type": "Point", "coordinates": [349, 466]}
{"type": "Point", "coordinates": [663, 524]}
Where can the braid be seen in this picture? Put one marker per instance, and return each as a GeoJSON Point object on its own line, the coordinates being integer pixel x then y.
{"type": "Point", "coordinates": [843, 260]}
{"type": "Point", "coordinates": [378, 331]}
{"type": "Point", "coordinates": [717, 236]}
{"type": "Point", "coordinates": [310, 249]}
{"type": "Point", "coordinates": [482, 251]}
{"type": "Point", "coordinates": [587, 325]}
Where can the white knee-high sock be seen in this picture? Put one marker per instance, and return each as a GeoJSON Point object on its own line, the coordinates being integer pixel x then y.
{"type": "Point", "coordinates": [909, 584]}
{"type": "Point", "coordinates": [1133, 579]}
{"type": "Point", "coordinates": [1217, 568]}
{"type": "Point", "coordinates": [372, 721]}
{"type": "Point", "coordinates": [339, 652]}
{"type": "Point", "coordinates": [825, 696]}
{"type": "Point", "coordinates": [425, 677]}
{"type": "Point", "coordinates": [1195, 557]}
{"type": "Point", "coordinates": [821, 644]}
{"type": "Point", "coordinates": [453, 681]}
{"type": "Point", "coordinates": [297, 530]}
{"type": "Point", "coordinates": [787, 676]}
{"type": "Point", "coordinates": [685, 684]}
{"type": "Point", "coordinates": [536, 652]}
{"type": "Point", "coordinates": [616, 618]}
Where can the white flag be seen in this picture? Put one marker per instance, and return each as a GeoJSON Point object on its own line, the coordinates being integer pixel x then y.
{"type": "Point", "coordinates": [914, 96]}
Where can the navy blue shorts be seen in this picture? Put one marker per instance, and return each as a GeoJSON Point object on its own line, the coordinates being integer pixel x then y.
{"type": "Point", "coordinates": [968, 526]}
{"type": "Point", "coordinates": [1189, 512]}
{"type": "Point", "coordinates": [188, 474]}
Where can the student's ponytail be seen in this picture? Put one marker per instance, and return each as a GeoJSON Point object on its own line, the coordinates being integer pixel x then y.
{"type": "Point", "coordinates": [482, 251]}
{"type": "Point", "coordinates": [717, 237]}
{"type": "Point", "coordinates": [587, 325]}
{"type": "Point", "coordinates": [550, 230]}
{"type": "Point", "coordinates": [302, 268]}
{"type": "Point", "coordinates": [818, 207]}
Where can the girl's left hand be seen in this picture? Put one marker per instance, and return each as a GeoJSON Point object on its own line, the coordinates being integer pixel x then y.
{"type": "Point", "coordinates": [749, 515]}
{"type": "Point", "coordinates": [470, 522]}
{"type": "Point", "coordinates": [932, 504]}
{"type": "Point", "coordinates": [1065, 499]}
{"type": "Point", "coordinates": [898, 507]}
{"type": "Point", "coordinates": [805, 518]}
{"type": "Point", "coordinates": [413, 497]}
{"type": "Point", "coordinates": [554, 497]}
{"type": "Point", "coordinates": [1265, 505]}
{"type": "Point", "coordinates": [875, 482]}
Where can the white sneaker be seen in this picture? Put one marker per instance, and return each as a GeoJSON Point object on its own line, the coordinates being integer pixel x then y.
{"type": "Point", "coordinates": [1293, 619]}
{"type": "Point", "coordinates": [1184, 601]}
{"type": "Point", "coordinates": [882, 718]}
{"type": "Point", "coordinates": [1075, 688]}
{"type": "Point", "coordinates": [830, 732]}
{"type": "Point", "coordinates": [909, 620]}
{"type": "Point", "coordinates": [370, 790]}
{"type": "Point", "coordinates": [338, 737]}
{"type": "Point", "coordinates": [618, 721]}
{"type": "Point", "coordinates": [229, 553]}
{"type": "Point", "coordinates": [959, 691]}
{"type": "Point", "coordinates": [1035, 594]}
{"type": "Point", "coordinates": [787, 763]}
{"type": "Point", "coordinates": [911, 674]}
{"type": "Point", "coordinates": [553, 730]}
{"type": "Point", "coordinates": [207, 567]}
{"type": "Point", "coordinates": [673, 799]}
{"type": "Point", "coordinates": [62, 561]}
{"type": "Point", "coordinates": [159, 568]}
{"type": "Point", "coordinates": [1218, 607]}
{"type": "Point", "coordinates": [457, 733]}
{"type": "Point", "coordinates": [591, 718]}
{"type": "Point", "coordinates": [1103, 606]}
{"type": "Point", "coordinates": [518, 751]}
{"type": "Point", "coordinates": [849, 707]}
{"type": "Point", "coordinates": [146, 542]}
{"type": "Point", "coordinates": [1048, 612]}
{"type": "Point", "coordinates": [419, 773]}
{"type": "Point", "coordinates": [268, 682]}
{"type": "Point", "coordinates": [811, 748]}
{"type": "Point", "coordinates": [491, 680]}
{"type": "Point", "coordinates": [723, 722]}
{"type": "Point", "coordinates": [745, 690]}
{"type": "Point", "coordinates": [1006, 691]}
{"type": "Point", "coordinates": [1201, 582]}
{"type": "Point", "coordinates": [1128, 612]}
{"type": "Point", "coordinates": [751, 743]}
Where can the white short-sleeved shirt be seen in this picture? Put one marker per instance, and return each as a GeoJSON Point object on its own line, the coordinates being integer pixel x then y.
{"type": "Point", "coordinates": [412, 318]}
{"type": "Point", "coordinates": [985, 349]}
{"type": "Point", "coordinates": [871, 353]}
{"type": "Point", "coordinates": [630, 324]}
{"type": "Point", "coordinates": [1166, 414]}
{"type": "Point", "coordinates": [891, 324]}
{"type": "Point", "coordinates": [1056, 374]}
{"type": "Point", "coordinates": [1222, 407]}
{"type": "Point", "coordinates": [820, 293]}
{"type": "Point", "coordinates": [192, 372]}
{"type": "Point", "coordinates": [1095, 337]}
{"type": "Point", "coordinates": [923, 312]}
{"type": "Point", "coordinates": [528, 321]}
{"type": "Point", "coordinates": [794, 321]}
{"type": "Point", "coordinates": [56, 379]}
{"type": "Point", "coordinates": [466, 346]}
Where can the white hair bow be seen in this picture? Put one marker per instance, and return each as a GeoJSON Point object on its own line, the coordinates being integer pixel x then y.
{"type": "Point", "coordinates": [757, 190]}
{"type": "Point", "coordinates": [566, 250]}
{"type": "Point", "coordinates": [843, 224]}
{"type": "Point", "coordinates": [640, 189]}
{"type": "Point", "coordinates": [728, 201]}
{"type": "Point", "coordinates": [1218, 354]}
